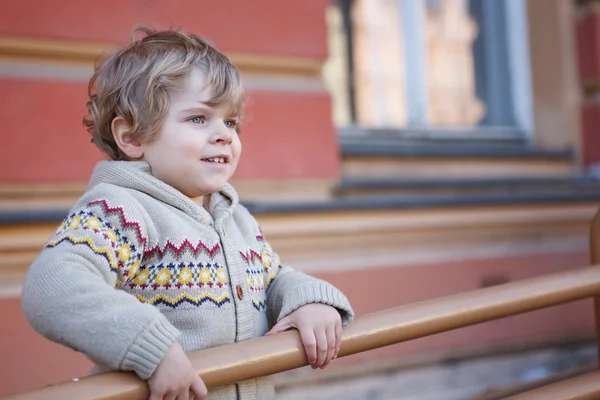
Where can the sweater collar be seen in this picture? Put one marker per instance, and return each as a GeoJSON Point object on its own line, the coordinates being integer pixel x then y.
{"type": "Point", "coordinates": [137, 175]}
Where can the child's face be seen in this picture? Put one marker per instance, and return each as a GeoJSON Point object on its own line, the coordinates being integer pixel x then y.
{"type": "Point", "coordinates": [198, 149]}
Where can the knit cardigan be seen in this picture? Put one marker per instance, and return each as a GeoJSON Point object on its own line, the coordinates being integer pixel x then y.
{"type": "Point", "coordinates": [137, 265]}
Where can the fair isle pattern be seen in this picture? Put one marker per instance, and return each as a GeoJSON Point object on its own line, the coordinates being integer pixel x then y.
{"type": "Point", "coordinates": [271, 275]}
{"type": "Point", "coordinates": [260, 278]}
{"type": "Point", "coordinates": [180, 275]}
{"type": "Point", "coordinates": [270, 260]}
{"type": "Point", "coordinates": [121, 214]}
{"type": "Point", "coordinates": [256, 285]}
{"type": "Point", "coordinates": [82, 227]}
{"type": "Point", "coordinates": [104, 252]}
{"type": "Point", "coordinates": [185, 298]}
{"type": "Point", "coordinates": [186, 246]}
{"type": "Point", "coordinates": [250, 256]}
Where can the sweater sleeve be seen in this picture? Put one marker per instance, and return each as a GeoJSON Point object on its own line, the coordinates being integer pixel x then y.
{"type": "Point", "coordinates": [71, 296]}
{"type": "Point", "coordinates": [289, 290]}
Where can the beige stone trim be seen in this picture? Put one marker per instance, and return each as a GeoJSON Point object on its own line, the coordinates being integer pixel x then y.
{"type": "Point", "coordinates": [41, 190]}
{"type": "Point", "coordinates": [344, 224]}
{"type": "Point", "coordinates": [381, 167]}
{"type": "Point", "coordinates": [284, 190]}
{"type": "Point", "coordinates": [59, 195]}
{"type": "Point", "coordinates": [70, 52]}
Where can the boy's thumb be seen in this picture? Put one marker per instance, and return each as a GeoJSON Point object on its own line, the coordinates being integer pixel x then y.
{"type": "Point", "coordinates": [281, 326]}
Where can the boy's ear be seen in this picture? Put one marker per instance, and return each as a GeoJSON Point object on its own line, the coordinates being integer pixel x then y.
{"type": "Point", "coordinates": [129, 145]}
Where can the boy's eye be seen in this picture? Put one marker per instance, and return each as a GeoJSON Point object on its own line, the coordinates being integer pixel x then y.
{"type": "Point", "coordinates": [198, 120]}
{"type": "Point", "coordinates": [231, 124]}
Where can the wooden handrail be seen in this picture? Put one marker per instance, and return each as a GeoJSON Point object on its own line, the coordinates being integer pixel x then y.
{"type": "Point", "coordinates": [595, 259]}
{"type": "Point", "coordinates": [584, 387]}
{"type": "Point", "coordinates": [269, 355]}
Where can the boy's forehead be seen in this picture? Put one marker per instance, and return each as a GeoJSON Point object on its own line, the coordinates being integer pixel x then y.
{"type": "Point", "coordinates": [196, 91]}
{"type": "Point", "coordinates": [193, 88]}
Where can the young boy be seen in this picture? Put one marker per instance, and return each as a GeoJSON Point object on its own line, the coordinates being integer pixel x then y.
{"type": "Point", "coordinates": [157, 259]}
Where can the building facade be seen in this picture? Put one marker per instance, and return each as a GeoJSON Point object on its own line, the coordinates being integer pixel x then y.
{"type": "Point", "coordinates": [401, 149]}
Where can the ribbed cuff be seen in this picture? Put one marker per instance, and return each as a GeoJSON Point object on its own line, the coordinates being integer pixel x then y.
{"type": "Point", "coordinates": [248, 389]}
{"type": "Point", "coordinates": [150, 347]}
{"type": "Point", "coordinates": [317, 292]}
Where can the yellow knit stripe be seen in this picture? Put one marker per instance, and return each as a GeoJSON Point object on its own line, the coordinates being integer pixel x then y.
{"type": "Point", "coordinates": [259, 304]}
{"type": "Point", "coordinates": [105, 252]}
{"type": "Point", "coordinates": [184, 297]}
{"type": "Point", "coordinates": [272, 276]}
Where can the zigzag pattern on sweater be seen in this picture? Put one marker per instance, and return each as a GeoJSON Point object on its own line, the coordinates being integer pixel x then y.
{"type": "Point", "coordinates": [126, 223]}
{"type": "Point", "coordinates": [259, 280]}
{"type": "Point", "coordinates": [185, 298]}
{"type": "Point", "coordinates": [178, 250]}
{"type": "Point", "coordinates": [85, 228]}
{"type": "Point", "coordinates": [266, 255]}
{"type": "Point", "coordinates": [256, 286]}
{"type": "Point", "coordinates": [179, 275]}
{"type": "Point", "coordinates": [272, 275]}
{"type": "Point", "coordinates": [87, 241]}
{"type": "Point", "coordinates": [259, 304]}
{"type": "Point", "coordinates": [250, 255]}
{"type": "Point", "coordinates": [255, 279]}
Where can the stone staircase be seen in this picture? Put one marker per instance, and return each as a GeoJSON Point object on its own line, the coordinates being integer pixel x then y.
{"type": "Point", "coordinates": [458, 171]}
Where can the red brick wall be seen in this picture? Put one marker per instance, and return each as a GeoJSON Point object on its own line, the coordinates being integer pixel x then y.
{"type": "Point", "coordinates": [587, 27]}
{"type": "Point", "coordinates": [288, 133]}
{"type": "Point", "coordinates": [590, 128]}
{"type": "Point", "coordinates": [257, 26]}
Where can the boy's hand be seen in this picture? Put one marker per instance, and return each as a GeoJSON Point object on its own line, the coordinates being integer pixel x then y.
{"type": "Point", "coordinates": [175, 379]}
{"type": "Point", "coordinates": [320, 329]}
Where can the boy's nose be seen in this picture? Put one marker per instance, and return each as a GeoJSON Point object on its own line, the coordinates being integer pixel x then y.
{"type": "Point", "coordinates": [223, 134]}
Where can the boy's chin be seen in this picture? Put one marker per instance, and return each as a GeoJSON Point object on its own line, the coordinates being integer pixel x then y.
{"type": "Point", "coordinates": [212, 188]}
{"type": "Point", "coordinates": [202, 191]}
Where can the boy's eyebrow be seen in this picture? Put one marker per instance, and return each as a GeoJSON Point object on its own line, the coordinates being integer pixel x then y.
{"type": "Point", "coordinates": [200, 107]}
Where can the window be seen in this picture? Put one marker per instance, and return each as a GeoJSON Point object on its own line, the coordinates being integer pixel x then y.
{"type": "Point", "coordinates": [430, 65]}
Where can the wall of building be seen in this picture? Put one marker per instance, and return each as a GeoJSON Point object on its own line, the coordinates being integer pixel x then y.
{"type": "Point", "coordinates": [587, 29]}
{"type": "Point", "coordinates": [380, 259]}
{"type": "Point", "coordinates": [45, 63]}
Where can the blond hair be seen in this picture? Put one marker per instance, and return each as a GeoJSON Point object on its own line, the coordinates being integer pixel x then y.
{"type": "Point", "coordinates": [134, 83]}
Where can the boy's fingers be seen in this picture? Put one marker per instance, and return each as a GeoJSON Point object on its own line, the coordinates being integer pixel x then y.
{"type": "Point", "coordinates": [157, 394]}
{"type": "Point", "coordinates": [331, 343]}
{"type": "Point", "coordinates": [170, 396]}
{"type": "Point", "coordinates": [321, 336]}
{"type": "Point", "coordinates": [338, 339]}
{"type": "Point", "coordinates": [310, 345]}
{"type": "Point", "coordinates": [198, 389]}
{"type": "Point", "coordinates": [183, 395]}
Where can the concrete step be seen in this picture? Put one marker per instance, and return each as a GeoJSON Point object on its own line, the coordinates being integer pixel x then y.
{"type": "Point", "coordinates": [424, 202]}
{"type": "Point", "coordinates": [377, 186]}
{"type": "Point", "coordinates": [384, 158]}
{"type": "Point", "coordinates": [496, 136]}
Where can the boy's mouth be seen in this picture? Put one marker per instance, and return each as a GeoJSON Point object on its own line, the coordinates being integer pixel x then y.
{"type": "Point", "coordinates": [218, 159]}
